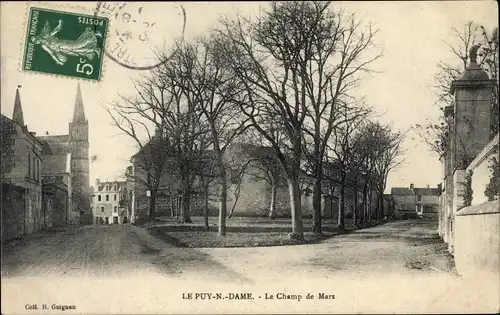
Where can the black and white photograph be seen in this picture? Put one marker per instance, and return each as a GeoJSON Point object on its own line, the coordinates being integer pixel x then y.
{"type": "Point", "coordinates": [284, 157]}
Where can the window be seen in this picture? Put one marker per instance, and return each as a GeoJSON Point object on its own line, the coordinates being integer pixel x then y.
{"type": "Point", "coordinates": [419, 197]}
{"type": "Point", "coordinates": [115, 209]}
{"type": "Point", "coordinates": [99, 197]}
{"type": "Point", "coordinates": [102, 208]}
{"type": "Point", "coordinates": [29, 165]}
{"type": "Point", "coordinates": [34, 168]}
{"type": "Point", "coordinates": [115, 197]}
{"type": "Point", "coordinates": [100, 188]}
{"type": "Point", "coordinates": [107, 197]}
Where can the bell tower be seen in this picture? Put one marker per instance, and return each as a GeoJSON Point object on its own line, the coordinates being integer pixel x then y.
{"type": "Point", "coordinates": [79, 148]}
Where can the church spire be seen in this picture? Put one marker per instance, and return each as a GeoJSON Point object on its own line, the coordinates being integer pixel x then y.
{"type": "Point", "coordinates": [17, 116]}
{"type": "Point", "coordinates": [79, 113]}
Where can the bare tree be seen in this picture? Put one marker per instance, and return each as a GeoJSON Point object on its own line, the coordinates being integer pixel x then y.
{"type": "Point", "coordinates": [340, 49]}
{"type": "Point", "coordinates": [149, 163]}
{"type": "Point", "coordinates": [392, 155]}
{"type": "Point", "coordinates": [342, 144]}
{"type": "Point", "coordinates": [212, 89]}
{"type": "Point", "coordinates": [161, 103]}
{"type": "Point", "coordinates": [284, 59]}
{"type": "Point", "coordinates": [265, 166]}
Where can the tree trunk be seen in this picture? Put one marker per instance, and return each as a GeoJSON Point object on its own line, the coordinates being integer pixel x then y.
{"type": "Point", "coordinates": [172, 206]}
{"type": "Point", "coordinates": [341, 221]}
{"type": "Point", "coordinates": [317, 202]}
{"type": "Point", "coordinates": [272, 208]}
{"type": "Point", "coordinates": [365, 205]}
{"type": "Point", "coordinates": [370, 208]}
{"type": "Point", "coordinates": [332, 193]}
{"type": "Point", "coordinates": [206, 227]}
{"type": "Point", "coordinates": [355, 211]}
{"type": "Point", "coordinates": [186, 217]}
{"type": "Point", "coordinates": [222, 204]}
{"type": "Point", "coordinates": [295, 208]}
{"type": "Point", "coordinates": [151, 205]}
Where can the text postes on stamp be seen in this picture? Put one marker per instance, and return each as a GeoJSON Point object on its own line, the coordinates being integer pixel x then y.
{"type": "Point", "coordinates": [65, 43]}
{"type": "Point", "coordinates": [140, 30]}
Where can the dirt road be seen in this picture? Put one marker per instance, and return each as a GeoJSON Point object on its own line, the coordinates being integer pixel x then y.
{"type": "Point", "coordinates": [396, 267]}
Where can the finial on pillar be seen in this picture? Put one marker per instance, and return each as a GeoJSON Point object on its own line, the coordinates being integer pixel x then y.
{"type": "Point", "coordinates": [473, 53]}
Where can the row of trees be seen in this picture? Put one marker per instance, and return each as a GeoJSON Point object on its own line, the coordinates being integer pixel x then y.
{"type": "Point", "coordinates": [284, 80]}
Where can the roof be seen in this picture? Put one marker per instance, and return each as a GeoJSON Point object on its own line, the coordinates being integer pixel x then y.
{"type": "Point", "coordinates": [79, 112]}
{"type": "Point", "coordinates": [58, 144]}
{"type": "Point", "coordinates": [415, 191]}
{"type": "Point", "coordinates": [401, 191]}
{"type": "Point", "coordinates": [54, 164]}
{"type": "Point", "coordinates": [426, 191]}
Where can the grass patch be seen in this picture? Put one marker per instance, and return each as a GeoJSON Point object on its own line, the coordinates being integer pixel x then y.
{"type": "Point", "coordinates": [241, 234]}
{"type": "Point", "coordinates": [204, 239]}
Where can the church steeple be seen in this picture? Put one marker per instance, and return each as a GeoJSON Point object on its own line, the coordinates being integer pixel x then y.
{"type": "Point", "coordinates": [79, 113]}
{"type": "Point", "coordinates": [17, 116]}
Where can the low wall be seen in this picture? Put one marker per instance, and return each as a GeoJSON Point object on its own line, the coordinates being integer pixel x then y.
{"type": "Point", "coordinates": [477, 240]}
{"type": "Point", "coordinates": [481, 173]}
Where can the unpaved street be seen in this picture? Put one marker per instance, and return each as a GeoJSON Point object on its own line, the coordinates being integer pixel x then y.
{"type": "Point", "coordinates": [404, 246]}
{"type": "Point", "coordinates": [395, 267]}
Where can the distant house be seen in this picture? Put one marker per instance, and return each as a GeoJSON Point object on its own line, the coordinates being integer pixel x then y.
{"type": "Point", "coordinates": [412, 201]}
{"type": "Point", "coordinates": [108, 205]}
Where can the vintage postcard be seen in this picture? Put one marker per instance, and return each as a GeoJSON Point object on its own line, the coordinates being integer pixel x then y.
{"type": "Point", "coordinates": [249, 157]}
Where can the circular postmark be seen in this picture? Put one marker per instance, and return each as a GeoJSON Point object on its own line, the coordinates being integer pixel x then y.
{"type": "Point", "coordinates": [140, 30]}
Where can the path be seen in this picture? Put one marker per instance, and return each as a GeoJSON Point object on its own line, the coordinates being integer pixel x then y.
{"type": "Point", "coordinates": [396, 267]}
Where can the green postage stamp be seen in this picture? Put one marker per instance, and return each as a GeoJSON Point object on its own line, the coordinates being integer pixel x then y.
{"type": "Point", "coordinates": [64, 43]}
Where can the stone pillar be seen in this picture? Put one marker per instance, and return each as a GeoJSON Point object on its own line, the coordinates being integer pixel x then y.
{"type": "Point", "coordinates": [468, 133]}
{"type": "Point", "coordinates": [132, 208]}
{"type": "Point", "coordinates": [459, 186]}
{"type": "Point", "coordinates": [473, 92]}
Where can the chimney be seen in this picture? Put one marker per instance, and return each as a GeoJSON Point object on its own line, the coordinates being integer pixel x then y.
{"type": "Point", "coordinates": [440, 188]}
{"type": "Point", "coordinates": [411, 186]}
{"type": "Point", "coordinates": [46, 133]}
{"type": "Point", "coordinates": [427, 186]}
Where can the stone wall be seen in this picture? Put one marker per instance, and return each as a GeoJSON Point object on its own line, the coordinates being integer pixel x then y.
{"type": "Point", "coordinates": [13, 212]}
{"type": "Point", "coordinates": [481, 171]}
{"type": "Point", "coordinates": [477, 239]}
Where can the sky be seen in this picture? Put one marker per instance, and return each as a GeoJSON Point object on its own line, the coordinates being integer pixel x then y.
{"type": "Point", "coordinates": [411, 33]}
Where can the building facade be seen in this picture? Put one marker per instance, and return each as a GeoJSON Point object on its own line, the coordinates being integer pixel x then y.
{"type": "Point", "coordinates": [413, 202]}
{"type": "Point", "coordinates": [21, 176]}
{"type": "Point", "coordinates": [109, 200]}
{"type": "Point", "coordinates": [72, 149]}
{"type": "Point", "coordinates": [250, 192]}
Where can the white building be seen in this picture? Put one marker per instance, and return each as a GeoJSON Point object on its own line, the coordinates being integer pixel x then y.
{"type": "Point", "coordinates": [109, 202]}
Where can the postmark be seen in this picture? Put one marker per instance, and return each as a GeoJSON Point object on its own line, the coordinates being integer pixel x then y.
{"type": "Point", "coordinates": [65, 43]}
{"type": "Point", "coordinates": [140, 31]}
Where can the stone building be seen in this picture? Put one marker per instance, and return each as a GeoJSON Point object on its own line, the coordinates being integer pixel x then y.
{"type": "Point", "coordinates": [249, 194]}
{"type": "Point", "coordinates": [21, 176]}
{"type": "Point", "coordinates": [72, 149]}
{"type": "Point", "coordinates": [413, 201]}
{"type": "Point", "coordinates": [109, 206]}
